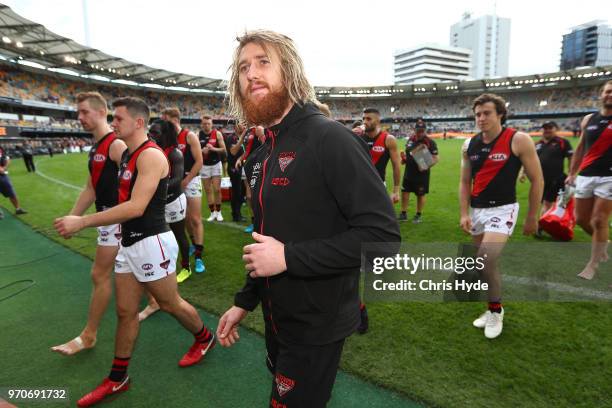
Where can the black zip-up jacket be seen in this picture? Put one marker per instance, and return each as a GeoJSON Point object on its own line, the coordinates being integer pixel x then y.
{"type": "Point", "coordinates": [315, 190]}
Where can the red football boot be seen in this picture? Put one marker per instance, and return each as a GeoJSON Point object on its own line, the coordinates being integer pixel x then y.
{"type": "Point", "coordinates": [197, 352]}
{"type": "Point", "coordinates": [104, 390]}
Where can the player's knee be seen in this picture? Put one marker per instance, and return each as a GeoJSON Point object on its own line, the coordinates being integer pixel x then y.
{"type": "Point", "coordinates": [126, 313]}
{"type": "Point", "coordinates": [100, 277]}
{"type": "Point", "coordinates": [169, 305]}
{"type": "Point", "coordinates": [598, 221]}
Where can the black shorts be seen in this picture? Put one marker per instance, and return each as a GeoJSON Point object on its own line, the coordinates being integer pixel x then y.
{"type": "Point", "coordinates": [418, 186]}
{"type": "Point", "coordinates": [304, 375]}
{"type": "Point", "coordinates": [552, 187]}
{"type": "Point", "coordinates": [6, 188]}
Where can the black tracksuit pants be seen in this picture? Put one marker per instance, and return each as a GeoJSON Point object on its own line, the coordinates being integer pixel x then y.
{"type": "Point", "coordinates": [304, 375]}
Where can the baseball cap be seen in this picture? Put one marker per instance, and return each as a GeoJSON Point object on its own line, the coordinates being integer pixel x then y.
{"type": "Point", "coordinates": [549, 123]}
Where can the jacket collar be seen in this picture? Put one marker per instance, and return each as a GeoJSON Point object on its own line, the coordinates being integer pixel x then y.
{"type": "Point", "coordinates": [299, 112]}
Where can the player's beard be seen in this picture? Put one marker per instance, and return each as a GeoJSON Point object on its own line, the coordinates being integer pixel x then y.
{"type": "Point", "coordinates": [267, 110]}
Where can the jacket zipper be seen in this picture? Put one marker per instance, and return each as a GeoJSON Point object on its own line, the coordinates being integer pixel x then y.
{"type": "Point", "coordinates": [261, 225]}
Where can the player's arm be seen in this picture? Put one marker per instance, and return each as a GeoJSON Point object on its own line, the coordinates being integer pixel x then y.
{"type": "Point", "coordinates": [465, 190]}
{"type": "Point", "coordinates": [152, 165]}
{"type": "Point", "coordinates": [235, 148]}
{"type": "Point", "coordinates": [85, 200]}
{"type": "Point", "coordinates": [196, 152]}
{"type": "Point", "coordinates": [396, 162]}
{"type": "Point", "coordinates": [4, 165]}
{"type": "Point", "coordinates": [176, 158]}
{"type": "Point", "coordinates": [115, 151]}
{"type": "Point", "coordinates": [578, 153]}
{"type": "Point", "coordinates": [524, 148]}
{"type": "Point", "coordinates": [221, 148]}
{"type": "Point", "coordinates": [433, 149]}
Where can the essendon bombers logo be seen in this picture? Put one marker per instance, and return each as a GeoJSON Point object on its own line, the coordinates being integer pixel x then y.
{"type": "Point", "coordinates": [378, 149]}
{"type": "Point", "coordinates": [498, 157]}
{"type": "Point", "coordinates": [165, 264]}
{"type": "Point", "coordinates": [283, 384]}
{"type": "Point", "coordinates": [127, 175]}
{"type": "Point", "coordinates": [285, 159]}
{"type": "Point", "coordinates": [99, 157]}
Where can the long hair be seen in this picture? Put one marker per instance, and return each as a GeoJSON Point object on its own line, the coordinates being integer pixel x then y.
{"type": "Point", "coordinates": [292, 69]}
{"type": "Point", "coordinates": [167, 136]}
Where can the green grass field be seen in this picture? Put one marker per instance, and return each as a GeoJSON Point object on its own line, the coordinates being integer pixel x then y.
{"type": "Point", "coordinates": [550, 354]}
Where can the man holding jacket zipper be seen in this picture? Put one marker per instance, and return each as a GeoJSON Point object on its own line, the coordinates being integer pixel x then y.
{"type": "Point", "coordinates": [310, 222]}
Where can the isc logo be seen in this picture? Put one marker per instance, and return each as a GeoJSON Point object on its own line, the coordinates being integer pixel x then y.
{"type": "Point", "coordinates": [99, 157]}
{"type": "Point", "coordinates": [498, 157]}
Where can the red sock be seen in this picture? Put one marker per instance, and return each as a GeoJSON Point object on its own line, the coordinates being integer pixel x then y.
{"type": "Point", "coordinates": [495, 307]}
{"type": "Point", "coordinates": [361, 305]}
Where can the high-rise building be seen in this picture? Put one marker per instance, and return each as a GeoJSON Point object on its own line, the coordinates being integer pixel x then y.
{"type": "Point", "coordinates": [588, 44]}
{"type": "Point", "coordinates": [488, 37]}
{"type": "Point", "coordinates": [429, 63]}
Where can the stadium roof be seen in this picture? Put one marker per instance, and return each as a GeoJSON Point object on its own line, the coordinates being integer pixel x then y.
{"type": "Point", "coordinates": [26, 40]}
{"type": "Point", "coordinates": [28, 43]}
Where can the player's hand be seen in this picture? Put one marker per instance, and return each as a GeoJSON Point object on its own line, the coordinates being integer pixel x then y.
{"type": "Point", "coordinates": [395, 198]}
{"type": "Point", "coordinates": [184, 184]}
{"type": "Point", "coordinates": [205, 150]}
{"type": "Point", "coordinates": [571, 180]}
{"type": "Point", "coordinates": [68, 225]}
{"type": "Point", "coordinates": [466, 224]}
{"type": "Point", "coordinates": [522, 178]}
{"type": "Point", "coordinates": [264, 258]}
{"type": "Point", "coordinates": [227, 330]}
{"type": "Point", "coordinates": [238, 164]}
{"type": "Point", "coordinates": [531, 226]}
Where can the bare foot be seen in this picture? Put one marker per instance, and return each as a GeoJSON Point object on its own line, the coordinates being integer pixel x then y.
{"type": "Point", "coordinates": [589, 271]}
{"type": "Point", "coordinates": [147, 311]}
{"type": "Point", "coordinates": [73, 346]}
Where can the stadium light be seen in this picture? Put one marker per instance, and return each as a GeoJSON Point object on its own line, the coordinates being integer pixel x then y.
{"type": "Point", "coordinates": [19, 44]}
{"type": "Point", "coordinates": [42, 52]}
{"type": "Point", "coordinates": [6, 40]}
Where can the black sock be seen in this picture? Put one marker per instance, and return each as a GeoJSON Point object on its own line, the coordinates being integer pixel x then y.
{"type": "Point", "coordinates": [418, 214]}
{"type": "Point", "coordinates": [203, 335]}
{"type": "Point", "coordinates": [198, 251]}
{"type": "Point", "coordinates": [119, 369]}
{"type": "Point", "coordinates": [403, 212]}
{"type": "Point", "coordinates": [211, 207]}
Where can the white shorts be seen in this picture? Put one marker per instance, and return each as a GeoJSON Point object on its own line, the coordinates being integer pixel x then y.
{"type": "Point", "coordinates": [175, 210]}
{"type": "Point", "coordinates": [194, 188]}
{"type": "Point", "coordinates": [149, 259]}
{"type": "Point", "coordinates": [109, 235]}
{"type": "Point", "coordinates": [243, 176]}
{"type": "Point", "coordinates": [211, 171]}
{"type": "Point", "coordinates": [500, 219]}
{"type": "Point", "coordinates": [587, 187]}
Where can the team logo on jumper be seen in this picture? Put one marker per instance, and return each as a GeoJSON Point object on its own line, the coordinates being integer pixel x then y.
{"type": "Point", "coordinates": [284, 159]}
{"type": "Point", "coordinates": [165, 264]}
{"type": "Point", "coordinates": [283, 384]}
{"type": "Point", "coordinates": [127, 175]}
{"type": "Point", "coordinates": [378, 149]}
{"type": "Point", "coordinates": [147, 267]}
{"type": "Point", "coordinates": [181, 146]}
{"type": "Point", "coordinates": [498, 157]}
{"type": "Point", "coordinates": [99, 157]}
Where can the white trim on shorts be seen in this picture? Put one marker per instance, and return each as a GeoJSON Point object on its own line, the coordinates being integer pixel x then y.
{"type": "Point", "coordinates": [587, 187]}
{"type": "Point", "coordinates": [194, 188]}
{"type": "Point", "coordinates": [109, 235]}
{"type": "Point", "coordinates": [214, 170]}
{"type": "Point", "coordinates": [501, 219]}
{"type": "Point", "coordinates": [175, 210]}
{"type": "Point", "coordinates": [150, 259]}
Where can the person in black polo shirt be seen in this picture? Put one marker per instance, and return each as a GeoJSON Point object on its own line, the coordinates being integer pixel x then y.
{"type": "Point", "coordinates": [416, 180]}
{"type": "Point", "coordinates": [233, 144]}
{"type": "Point", "coordinates": [552, 151]}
